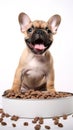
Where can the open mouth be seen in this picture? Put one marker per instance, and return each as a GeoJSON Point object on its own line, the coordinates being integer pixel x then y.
{"type": "Point", "coordinates": [38, 47]}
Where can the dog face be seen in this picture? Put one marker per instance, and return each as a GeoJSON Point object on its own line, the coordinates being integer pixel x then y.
{"type": "Point", "coordinates": [38, 33]}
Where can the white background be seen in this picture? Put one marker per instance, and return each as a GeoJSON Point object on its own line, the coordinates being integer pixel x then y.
{"type": "Point", "coordinates": [12, 40]}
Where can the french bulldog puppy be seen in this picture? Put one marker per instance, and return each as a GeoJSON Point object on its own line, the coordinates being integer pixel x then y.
{"type": "Point", "coordinates": [35, 69]}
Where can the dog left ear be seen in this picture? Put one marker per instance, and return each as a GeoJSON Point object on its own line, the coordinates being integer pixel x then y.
{"type": "Point", "coordinates": [54, 23]}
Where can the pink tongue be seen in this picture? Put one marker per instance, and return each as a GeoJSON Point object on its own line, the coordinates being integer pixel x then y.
{"type": "Point", "coordinates": [39, 47]}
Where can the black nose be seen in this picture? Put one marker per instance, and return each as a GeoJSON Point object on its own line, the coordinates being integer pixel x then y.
{"type": "Point", "coordinates": [39, 31]}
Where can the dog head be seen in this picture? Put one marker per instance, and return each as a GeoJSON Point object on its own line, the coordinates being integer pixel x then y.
{"type": "Point", "coordinates": [38, 33]}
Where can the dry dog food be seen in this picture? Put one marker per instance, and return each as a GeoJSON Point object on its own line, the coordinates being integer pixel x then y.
{"type": "Point", "coordinates": [56, 122]}
{"type": "Point", "coordinates": [31, 94]}
{"type": "Point", "coordinates": [38, 120]}
{"type": "Point", "coordinates": [1, 119]}
{"type": "Point", "coordinates": [56, 118]}
{"type": "Point", "coordinates": [37, 127]}
{"type": "Point", "coordinates": [41, 121]}
{"type": "Point", "coordinates": [15, 118]}
{"type": "Point", "coordinates": [25, 123]}
{"type": "Point", "coordinates": [64, 117]}
{"type": "Point", "coordinates": [47, 127]}
{"type": "Point", "coordinates": [35, 120]}
{"type": "Point", "coordinates": [3, 115]}
{"type": "Point", "coordinates": [3, 123]}
{"type": "Point", "coordinates": [7, 115]}
{"type": "Point", "coordinates": [1, 110]}
{"type": "Point", "coordinates": [60, 124]}
{"type": "Point", "coordinates": [13, 124]}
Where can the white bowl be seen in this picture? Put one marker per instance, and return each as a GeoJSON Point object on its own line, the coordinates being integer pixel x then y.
{"type": "Point", "coordinates": [30, 108]}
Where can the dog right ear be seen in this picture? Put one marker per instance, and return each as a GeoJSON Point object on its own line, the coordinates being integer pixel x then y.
{"type": "Point", "coordinates": [24, 20]}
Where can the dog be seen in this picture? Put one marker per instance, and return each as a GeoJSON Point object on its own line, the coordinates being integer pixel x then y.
{"type": "Point", "coordinates": [35, 69]}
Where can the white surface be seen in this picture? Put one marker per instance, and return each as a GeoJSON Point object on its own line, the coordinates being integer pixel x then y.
{"type": "Point", "coordinates": [67, 124]}
{"type": "Point", "coordinates": [31, 108]}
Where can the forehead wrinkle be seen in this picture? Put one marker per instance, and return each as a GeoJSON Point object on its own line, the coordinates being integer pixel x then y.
{"type": "Point", "coordinates": [39, 24]}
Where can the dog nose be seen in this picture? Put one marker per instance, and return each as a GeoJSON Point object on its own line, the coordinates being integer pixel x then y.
{"type": "Point", "coordinates": [39, 31]}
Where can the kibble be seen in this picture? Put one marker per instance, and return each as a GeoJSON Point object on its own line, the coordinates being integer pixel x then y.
{"type": "Point", "coordinates": [47, 127]}
{"type": "Point", "coordinates": [56, 122]}
{"type": "Point", "coordinates": [7, 115]}
{"type": "Point", "coordinates": [37, 127]}
{"type": "Point", "coordinates": [1, 110]}
{"type": "Point", "coordinates": [60, 124]}
{"type": "Point", "coordinates": [3, 123]}
{"type": "Point", "coordinates": [31, 94]}
{"type": "Point", "coordinates": [13, 124]}
{"type": "Point", "coordinates": [1, 119]}
{"type": "Point", "coordinates": [64, 117]}
{"type": "Point", "coordinates": [56, 118]}
{"type": "Point", "coordinates": [35, 120]}
{"type": "Point", "coordinates": [15, 118]}
{"type": "Point", "coordinates": [25, 123]}
{"type": "Point", "coordinates": [41, 121]}
{"type": "Point", "coordinates": [3, 115]}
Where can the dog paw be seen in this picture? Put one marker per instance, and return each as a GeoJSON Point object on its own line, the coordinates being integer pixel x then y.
{"type": "Point", "coordinates": [6, 92]}
{"type": "Point", "coordinates": [51, 90]}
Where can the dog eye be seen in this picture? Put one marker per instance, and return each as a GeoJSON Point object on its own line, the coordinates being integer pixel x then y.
{"type": "Point", "coordinates": [48, 30]}
{"type": "Point", "coordinates": [30, 29]}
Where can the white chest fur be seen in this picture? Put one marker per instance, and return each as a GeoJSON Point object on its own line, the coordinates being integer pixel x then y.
{"type": "Point", "coordinates": [36, 71]}
{"type": "Point", "coordinates": [38, 65]}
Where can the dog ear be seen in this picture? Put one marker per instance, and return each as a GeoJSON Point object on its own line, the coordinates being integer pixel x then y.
{"type": "Point", "coordinates": [54, 23]}
{"type": "Point", "coordinates": [24, 20]}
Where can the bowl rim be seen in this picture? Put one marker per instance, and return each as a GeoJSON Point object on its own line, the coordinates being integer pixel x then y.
{"type": "Point", "coordinates": [39, 99]}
